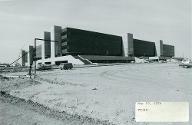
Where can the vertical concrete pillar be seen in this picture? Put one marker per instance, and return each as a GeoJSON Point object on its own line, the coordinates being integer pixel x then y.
{"type": "Point", "coordinates": [57, 37]}
{"type": "Point", "coordinates": [43, 51]}
{"type": "Point", "coordinates": [24, 57]}
{"type": "Point", "coordinates": [47, 44]}
{"type": "Point", "coordinates": [157, 45]}
{"type": "Point", "coordinates": [125, 46]}
{"type": "Point", "coordinates": [52, 43]}
{"type": "Point", "coordinates": [28, 59]}
{"type": "Point", "coordinates": [161, 47]}
{"type": "Point", "coordinates": [130, 44]}
{"type": "Point", "coordinates": [31, 55]}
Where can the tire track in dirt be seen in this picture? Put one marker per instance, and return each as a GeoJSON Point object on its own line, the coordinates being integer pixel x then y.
{"type": "Point", "coordinates": [66, 118]}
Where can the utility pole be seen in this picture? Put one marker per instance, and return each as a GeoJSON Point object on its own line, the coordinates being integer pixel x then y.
{"type": "Point", "coordinates": [35, 55]}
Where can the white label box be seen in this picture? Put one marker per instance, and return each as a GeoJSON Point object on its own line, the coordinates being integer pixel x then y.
{"type": "Point", "coordinates": [162, 112]}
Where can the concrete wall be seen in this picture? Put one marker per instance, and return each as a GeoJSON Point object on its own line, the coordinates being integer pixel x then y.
{"type": "Point", "coordinates": [161, 48]}
{"type": "Point", "coordinates": [31, 55]}
{"type": "Point", "coordinates": [24, 57]}
{"type": "Point", "coordinates": [69, 59]}
{"type": "Point", "coordinates": [57, 37]}
{"type": "Point", "coordinates": [47, 44]}
{"type": "Point", "coordinates": [130, 44]}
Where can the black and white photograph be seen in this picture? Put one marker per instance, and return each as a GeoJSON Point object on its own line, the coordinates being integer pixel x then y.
{"type": "Point", "coordinates": [95, 62]}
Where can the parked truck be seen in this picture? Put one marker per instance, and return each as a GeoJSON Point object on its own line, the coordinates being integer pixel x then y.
{"type": "Point", "coordinates": [66, 66]}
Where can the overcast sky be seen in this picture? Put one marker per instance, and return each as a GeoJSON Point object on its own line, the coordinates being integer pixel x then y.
{"type": "Point", "coordinates": [23, 20]}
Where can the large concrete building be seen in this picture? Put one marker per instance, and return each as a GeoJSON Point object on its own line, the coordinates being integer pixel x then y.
{"type": "Point", "coordinates": [84, 47]}
{"type": "Point", "coordinates": [142, 48]}
{"type": "Point", "coordinates": [78, 47]}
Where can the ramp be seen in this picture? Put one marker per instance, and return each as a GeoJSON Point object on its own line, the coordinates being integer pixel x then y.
{"type": "Point", "coordinates": [85, 61]}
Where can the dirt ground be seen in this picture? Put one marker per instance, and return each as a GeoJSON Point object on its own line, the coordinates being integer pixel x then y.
{"type": "Point", "coordinates": [108, 93]}
{"type": "Point", "coordinates": [16, 111]}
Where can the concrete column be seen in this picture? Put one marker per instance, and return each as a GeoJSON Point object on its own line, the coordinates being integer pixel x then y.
{"type": "Point", "coordinates": [52, 43]}
{"type": "Point", "coordinates": [125, 46]}
{"type": "Point", "coordinates": [161, 47]}
{"type": "Point", "coordinates": [31, 54]}
{"type": "Point", "coordinates": [130, 44]}
{"type": "Point", "coordinates": [47, 44]}
{"type": "Point", "coordinates": [24, 57]}
{"type": "Point", "coordinates": [157, 45]}
{"type": "Point", "coordinates": [57, 37]}
{"type": "Point", "coordinates": [43, 51]}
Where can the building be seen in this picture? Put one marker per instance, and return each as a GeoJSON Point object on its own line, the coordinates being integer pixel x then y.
{"type": "Point", "coordinates": [140, 48]}
{"type": "Point", "coordinates": [83, 46]}
{"type": "Point", "coordinates": [82, 42]}
{"type": "Point", "coordinates": [79, 46]}
{"type": "Point", "coordinates": [165, 50]}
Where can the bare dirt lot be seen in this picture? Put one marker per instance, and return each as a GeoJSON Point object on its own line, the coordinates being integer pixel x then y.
{"type": "Point", "coordinates": [109, 93]}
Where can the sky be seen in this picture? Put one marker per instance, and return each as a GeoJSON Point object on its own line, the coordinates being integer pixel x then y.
{"type": "Point", "coordinates": [153, 20]}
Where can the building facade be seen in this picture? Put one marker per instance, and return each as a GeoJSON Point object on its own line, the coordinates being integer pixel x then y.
{"type": "Point", "coordinates": [140, 48]}
{"type": "Point", "coordinates": [168, 50]}
{"type": "Point", "coordinates": [165, 50]}
{"type": "Point", "coordinates": [143, 48]}
{"type": "Point", "coordinates": [83, 47]}
{"type": "Point", "coordinates": [82, 42]}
